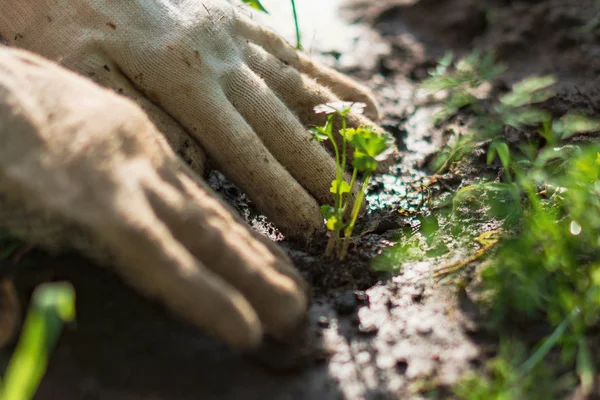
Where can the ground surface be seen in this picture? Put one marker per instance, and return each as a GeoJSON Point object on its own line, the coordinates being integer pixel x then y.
{"type": "Point", "coordinates": [371, 336]}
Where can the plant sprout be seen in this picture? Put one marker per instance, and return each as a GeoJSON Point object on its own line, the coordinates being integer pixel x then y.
{"type": "Point", "coordinates": [369, 147]}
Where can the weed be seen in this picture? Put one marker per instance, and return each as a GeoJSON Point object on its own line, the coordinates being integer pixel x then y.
{"type": "Point", "coordinates": [370, 147]}
{"type": "Point", "coordinates": [52, 304]}
{"type": "Point", "coordinates": [503, 379]}
{"type": "Point", "coordinates": [545, 268]}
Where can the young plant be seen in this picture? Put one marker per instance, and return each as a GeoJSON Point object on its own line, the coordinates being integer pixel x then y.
{"type": "Point", "coordinates": [464, 83]}
{"type": "Point", "coordinates": [369, 147]}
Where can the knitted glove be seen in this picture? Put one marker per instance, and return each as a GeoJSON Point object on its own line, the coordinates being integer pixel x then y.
{"type": "Point", "coordinates": [80, 165]}
{"type": "Point", "coordinates": [205, 74]}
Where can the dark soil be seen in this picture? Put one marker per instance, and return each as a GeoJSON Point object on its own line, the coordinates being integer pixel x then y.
{"type": "Point", "coordinates": [371, 335]}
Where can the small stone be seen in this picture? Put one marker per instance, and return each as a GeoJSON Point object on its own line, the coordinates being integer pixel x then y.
{"type": "Point", "coordinates": [363, 357]}
{"type": "Point", "coordinates": [345, 303]}
{"type": "Point", "coordinates": [323, 321]}
{"type": "Point", "coordinates": [419, 293]}
{"type": "Point", "coordinates": [367, 329]}
{"type": "Point", "coordinates": [401, 366]}
{"type": "Point", "coordinates": [362, 297]}
{"type": "Point", "coordinates": [424, 329]}
{"type": "Point", "coordinates": [385, 361]}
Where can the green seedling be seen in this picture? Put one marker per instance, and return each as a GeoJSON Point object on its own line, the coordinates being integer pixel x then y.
{"type": "Point", "coordinates": [369, 147]}
{"type": "Point", "coordinates": [52, 304]}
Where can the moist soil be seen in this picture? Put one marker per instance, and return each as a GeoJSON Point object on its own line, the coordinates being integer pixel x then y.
{"type": "Point", "coordinates": [370, 335]}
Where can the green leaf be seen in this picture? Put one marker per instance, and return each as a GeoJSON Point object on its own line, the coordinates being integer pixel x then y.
{"type": "Point", "coordinates": [256, 5]}
{"type": "Point", "coordinates": [529, 90]}
{"type": "Point", "coordinates": [369, 147]}
{"type": "Point", "coordinates": [343, 186]}
{"type": "Point", "coordinates": [334, 223]}
{"type": "Point", "coordinates": [319, 134]}
{"type": "Point", "coordinates": [500, 148]}
{"type": "Point", "coordinates": [585, 367]}
{"type": "Point", "coordinates": [52, 304]}
{"type": "Point", "coordinates": [327, 211]}
{"type": "Point", "coordinates": [364, 162]}
{"type": "Point", "coordinates": [572, 123]}
{"type": "Point", "coordinates": [491, 155]}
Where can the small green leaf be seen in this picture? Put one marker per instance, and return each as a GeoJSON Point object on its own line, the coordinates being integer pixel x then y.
{"type": "Point", "coordinates": [491, 155]}
{"type": "Point", "coordinates": [585, 367]}
{"type": "Point", "coordinates": [343, 186]}
{"type": "Point", "coordinates": [327, 211]}
{"type": "Point", "coordinates": [334, 223]}
{"type": "Point", "coordinates": [52, 303]}
{"type": "Point", "coordinates": [364, 162]}
{"type": "Point", "coordinates": [529, 90]}
{"type": "Point", "coordinates": [500, 148]}
{"type": "Point", "coordinates": [572, 123]}
{"type": "Point", "coordinates": [369, 147]}
{"type": "Point", "coordinates": [256, 5]}
{"type": "Point", "coordinates": [319, 134]}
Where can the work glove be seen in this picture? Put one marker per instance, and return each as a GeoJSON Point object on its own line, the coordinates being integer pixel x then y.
{"type": "Point", "coordinates": [206, 74]}
{"type": "Point", "coordinates": [82, 167]}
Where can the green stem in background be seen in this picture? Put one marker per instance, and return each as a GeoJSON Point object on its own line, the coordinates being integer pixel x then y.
{"type": "Point", "coordinates": [52, 304]}
{"type": "Point", "coordinates": [354, 215]}
{"type": "Point", "coordinates": [298, 41]}
{"type": "Point", "coordinates": [548, 344]}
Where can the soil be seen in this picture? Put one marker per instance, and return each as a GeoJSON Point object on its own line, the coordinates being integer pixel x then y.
{"type": "Point", "coordinates": [371, 335]}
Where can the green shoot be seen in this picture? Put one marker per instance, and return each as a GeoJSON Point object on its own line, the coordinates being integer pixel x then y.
{"type": "Point", "coordinates": [370, 147]}
{"type": "Point", "coordinates": [51, 305]}
{"type": "Point", "coordinates": [298, 39]}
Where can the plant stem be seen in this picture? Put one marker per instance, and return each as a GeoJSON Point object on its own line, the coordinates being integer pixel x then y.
{"type": "Point", "coordinates": [343, 165]}
{"type": "Point", "coordinates": [354, 215]}
{"type": "Point", "coordinates": [339, 176]}
{"type": "Point", "coordinates": [339, 173]}
{"type": "Point", "coordinates": [298, 41]}
{"type": "Point", "coordinates": [344, 144]}
{"type": "Point", "coordinates": [333, 235]}
{"type": "Point", "coordinates": [352, 183]}
{"type": "Point", "coordinates": [547, 345]}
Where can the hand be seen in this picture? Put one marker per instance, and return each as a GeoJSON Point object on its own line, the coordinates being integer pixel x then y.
{"type": "Point", "coordinates": [205, 73]}
{"type": "Point", "coordinates": [81, 165]}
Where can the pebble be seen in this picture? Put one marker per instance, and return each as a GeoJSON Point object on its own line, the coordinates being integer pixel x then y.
{"type": "Point", "coordinates": [345, 303]}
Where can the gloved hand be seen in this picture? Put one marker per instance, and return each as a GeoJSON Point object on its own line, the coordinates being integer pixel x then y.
{"type": "Point", "coordinates": [83, 167]}
{"type": "Point", "coordinates": [204, 73]}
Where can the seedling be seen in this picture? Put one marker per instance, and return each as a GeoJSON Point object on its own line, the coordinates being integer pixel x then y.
{"type": "Point", "coordinates": [369, 147]}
